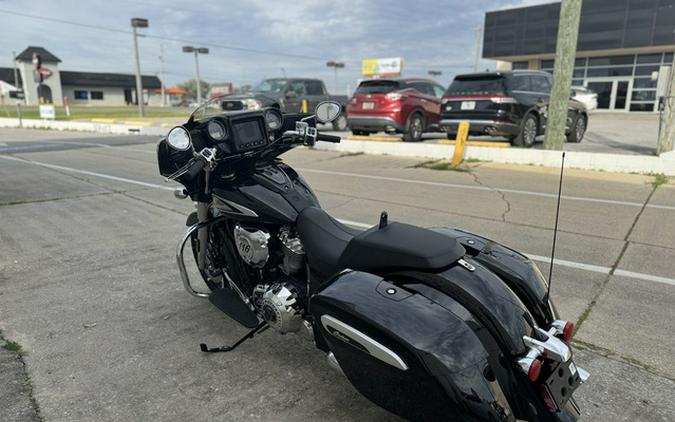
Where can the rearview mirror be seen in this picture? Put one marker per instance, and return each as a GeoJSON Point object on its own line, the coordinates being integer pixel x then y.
{"type": "Point", "coordinates": [327, 111]}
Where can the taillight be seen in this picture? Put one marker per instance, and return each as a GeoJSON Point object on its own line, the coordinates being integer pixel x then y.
{"type": "Point", "coordinates": [568, 331]}
{"type": "Point", "coordinates": [534, 371]}
{"type": "Point", "coordinates": [395, 96]}
{"type": "Point", "coordinates": [503, 100]}
{"type": "Point", "coordinates": [353, 100]}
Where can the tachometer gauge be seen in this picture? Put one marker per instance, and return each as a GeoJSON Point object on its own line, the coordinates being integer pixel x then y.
{"type": "Point", "coordinates": [216, 130]}
{"type": "Point", "coordinates": [273, 120]}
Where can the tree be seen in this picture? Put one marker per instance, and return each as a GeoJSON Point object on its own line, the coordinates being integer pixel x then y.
{"type": "Point", "coordinates": [191, 87]}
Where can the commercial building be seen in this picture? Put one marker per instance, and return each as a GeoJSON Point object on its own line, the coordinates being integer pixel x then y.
{"type": "Point", "coordinates": [84, 88]}
{"type": "Point", "coordinates": [624, 50]}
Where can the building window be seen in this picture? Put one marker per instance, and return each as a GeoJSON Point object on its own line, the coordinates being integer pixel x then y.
{"type": "Point", "coordinates": [611, 61]}
{"type": "Point", "coordinates": [81, 95]}
{"type": "Point", "coordinates": [547, 64]}
{"type": "Point", "coordinates": [644, 83]}
{"type": "Point", "coordinates": [649, 58]}
{"type": "Point", "coordinates": [641, 106]}
{"type": "Point", "coordinates": [644, 96]}
{"type": "Point", "coordinates": [646, 70]}
{"type": "Point", "coordinates": [668, 58]}
{"type": "Point", "coordinates": [96, 95]}
{"type": "Point", "coordinates": [610, 71]}
{"type": "Point", "coordinates": [519, 65]}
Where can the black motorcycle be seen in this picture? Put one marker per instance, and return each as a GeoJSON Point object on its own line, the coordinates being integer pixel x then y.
{"type": "Point", "coordinates": [431, 324]}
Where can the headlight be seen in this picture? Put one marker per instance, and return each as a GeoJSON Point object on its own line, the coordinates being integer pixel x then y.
{"type": "Point", "coordinates": [273, 120]}
{"type": "Point", "coordinates": [179, 138]}
{"type": "Point", "coordinates": [216, 130]}
{"type": "Point", "coordinates": [252, 104]}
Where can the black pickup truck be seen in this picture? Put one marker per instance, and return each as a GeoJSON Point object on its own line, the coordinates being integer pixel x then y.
{"type": "Point", "coordinates": [288, 94]}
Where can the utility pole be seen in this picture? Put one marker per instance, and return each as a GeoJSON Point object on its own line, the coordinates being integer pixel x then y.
{"type": "Point", "coordinates": [161, 73]}
{"type": "Point", "coordinates": [565, 53]}
{"type": "Point", "coordinates": [16, 71]}
{"type": "Point", "coordinates": [197, 51]}
{"type": "Point", "coordinates": [138, 23]}
{"type": "Point", "coordinates": [479, 39]}
{"type": "Point", "coordinates": [667, 134]}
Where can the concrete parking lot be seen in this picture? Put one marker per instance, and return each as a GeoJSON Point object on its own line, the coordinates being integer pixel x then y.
{"type": "Point", "coordinates": [90, 292]}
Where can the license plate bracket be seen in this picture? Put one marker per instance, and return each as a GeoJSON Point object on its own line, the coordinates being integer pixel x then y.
{"type": "Point", "coordinates": [563, 381]}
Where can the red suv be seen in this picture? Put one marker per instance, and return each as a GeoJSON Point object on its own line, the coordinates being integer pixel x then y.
{"type": "Point", "coordinates": [407, 106]}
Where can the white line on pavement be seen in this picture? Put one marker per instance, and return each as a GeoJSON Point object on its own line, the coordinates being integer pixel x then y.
{"type": "Point", "coordinates": [561, 262]}
{"type": "Point", "coordinates": [484, 188]}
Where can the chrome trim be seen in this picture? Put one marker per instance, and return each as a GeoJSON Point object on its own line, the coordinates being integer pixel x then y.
{"type": "Point", "coordinates": [180, 192]}
{"type": "Point", "coordinates": [374, 348]}
{"type": "Point", "coordinates": [479, 122]}
{"type": "Point", "coordinates": [333, 363]}
{"type": "Point", "coordinates": [234, 287]}
{"type": "Point", "coordinates": [181, 263]}
{"type": "Point", "coordinates": [584, 375]}
{"type": "Point", "coordinates": [552, 348]}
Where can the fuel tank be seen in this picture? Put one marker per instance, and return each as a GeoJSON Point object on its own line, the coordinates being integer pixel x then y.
{"type": "Point", "coordinates": [272, 193]}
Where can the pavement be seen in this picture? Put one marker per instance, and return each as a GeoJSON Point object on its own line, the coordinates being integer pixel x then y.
{"type": "Point", "coordinates": [90, 290]}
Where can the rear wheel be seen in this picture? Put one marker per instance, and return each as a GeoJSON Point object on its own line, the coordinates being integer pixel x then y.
{"type": "Point", "coordinates": [340, 123]}
{"type": "Point", "coordinates": [415, 128]}
{"type": "Point", "coordinates": [577, 132]}
{"type": "Point", "coordinates": [528, 132]}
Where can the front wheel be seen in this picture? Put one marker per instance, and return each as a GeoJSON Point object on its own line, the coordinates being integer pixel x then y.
{"type": "Point", "coordinates": [528, 132]}
{"type": "Point", "coordinates": [415, 129]}
{"type": "Point", "coordinates": [577, 132]}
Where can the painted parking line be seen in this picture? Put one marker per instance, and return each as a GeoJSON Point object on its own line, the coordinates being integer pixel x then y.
{"type": "Point", "coordinates": [560, 262]}
{"type": "Point", "coordinates": [485, 188]}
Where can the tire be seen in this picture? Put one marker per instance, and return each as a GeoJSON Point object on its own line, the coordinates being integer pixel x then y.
{"type": "Point", "coordinates": [579, 130]}
{"type": "Point", "coordinates": [360, 133]}
{"type": "Point", "coordinates": [451, 136]}
{"type": "Point", "coordinates": [340, 123]}
{"type": "Point", "coordinates": [415, 128]}
{"type": "Point", "coordinates": [528, 132]}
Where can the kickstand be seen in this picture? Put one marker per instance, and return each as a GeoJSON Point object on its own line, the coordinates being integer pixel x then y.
{"type": "Point", "coordinates": [257, 330]}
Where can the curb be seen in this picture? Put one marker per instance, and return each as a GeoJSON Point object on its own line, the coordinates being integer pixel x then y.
{"type": "Point", "coordinates": [99, 125]}
{"type": "Point", "coordinates": [617, 163]}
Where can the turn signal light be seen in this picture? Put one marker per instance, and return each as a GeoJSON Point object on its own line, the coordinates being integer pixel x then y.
{"type": "Point", "coordinates": [534, 371]}
{"type": "Point", "coordinates": [568, 331]}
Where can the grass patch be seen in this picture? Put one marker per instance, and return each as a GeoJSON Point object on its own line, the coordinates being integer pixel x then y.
{"type": "Point", "coordinates": [12, 346]}
{"type": "Point", "coordinates": [91, 112]}
{"type": "Point", "coordinates": [473, 160]}
{"type": "Point", "coordinates": [658, 179]}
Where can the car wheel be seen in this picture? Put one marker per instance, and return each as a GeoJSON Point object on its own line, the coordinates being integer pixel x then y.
{"type": "Point", "coordinates": [528, 132]}
{"type": "Point", "coordinates": [360, 133]}
{"type": "Point", "coordinates": [578, 131]}
{"type": "Point", "coordinates": [340, 123]}
{"type": "Point", "coordinates": [415, 128]}
{"type": "Point", "coordinates": [451, 135]}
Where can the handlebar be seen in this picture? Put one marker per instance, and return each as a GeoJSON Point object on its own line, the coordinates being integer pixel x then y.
{"type": "Point", "coordinates": [328, 138]}
{"type": "Point", "coordinates": [195, 167]}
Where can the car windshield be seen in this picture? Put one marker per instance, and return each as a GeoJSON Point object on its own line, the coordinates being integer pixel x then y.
{"type": "Point", "coordinates": [481, 85]}
{"type": "Point", "coordinates": [213, 107]}
{"type": "Point", "coordinates": [378, 87]}
{"type": "Point", "coordinates": [270, 85]}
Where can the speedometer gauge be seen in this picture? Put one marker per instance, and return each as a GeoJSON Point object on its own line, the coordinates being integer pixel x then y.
{"type": "Point", "coordinates": [272, 120]}
{"type": "Point", "coordinates": [216, 130]}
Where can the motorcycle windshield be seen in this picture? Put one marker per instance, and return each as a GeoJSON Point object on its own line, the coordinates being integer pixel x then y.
{"type": "Point", "coordinates": [213, 107]}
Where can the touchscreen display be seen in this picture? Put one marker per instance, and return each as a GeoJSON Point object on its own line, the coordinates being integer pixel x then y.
{"type": "Point", "coordinates": [248, 134]}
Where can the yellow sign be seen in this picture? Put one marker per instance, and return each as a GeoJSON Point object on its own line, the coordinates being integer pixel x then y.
{"type": "Point", "coordinates": [369, 67]}
{"type": "Point", "coordinates": [382, 67]}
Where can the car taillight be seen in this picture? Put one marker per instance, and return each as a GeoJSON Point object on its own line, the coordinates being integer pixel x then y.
{"type": "Point", "coordinates": [503, 100]}
{"type": "Point", "coordinates": [395, 96]}
{"type": "Point", "coordinates": [353, 100]}
{"type": "Point", "coordinates": [534, 371]}
{"type": "Point", "coordinates": [568, 331]}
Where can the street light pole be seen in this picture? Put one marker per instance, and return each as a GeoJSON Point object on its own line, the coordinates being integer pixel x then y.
{"type": "Point", "coordinates": [197, 51]}
{"type": "Point", "coordinates": [138, 23]}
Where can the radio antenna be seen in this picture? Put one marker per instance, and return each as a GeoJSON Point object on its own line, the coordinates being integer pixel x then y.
{"type": "Point", "coordinates": [555, 229]}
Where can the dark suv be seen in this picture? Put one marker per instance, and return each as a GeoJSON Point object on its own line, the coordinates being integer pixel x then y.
{"type": "Point", "coordinates": [407, 106]}
{"type": "Point", "coordinates": [513, 104]}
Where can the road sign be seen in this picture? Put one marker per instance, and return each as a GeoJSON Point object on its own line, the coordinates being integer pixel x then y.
{"type": "Point", "coordinates": [47, 112]}
{"type": "Point", "coordinates": [382, 67]}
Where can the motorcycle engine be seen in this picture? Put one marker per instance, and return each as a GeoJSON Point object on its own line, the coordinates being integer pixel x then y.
{"type": "Point", "coordinates": [294, 252]}
{"type": "Point", "coordinates": [278, 305]}
{"type": "Point", "coordinates": [252, 245]}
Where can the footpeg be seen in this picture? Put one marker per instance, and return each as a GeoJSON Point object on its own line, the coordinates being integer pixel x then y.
{"type": "Point", "coordinates": [229, 302]}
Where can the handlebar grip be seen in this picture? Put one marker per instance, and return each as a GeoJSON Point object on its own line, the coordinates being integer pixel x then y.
{"type": "Point", "coordinates": [328, 138]}
{"type": "Point", "coordinates": [197, 165]}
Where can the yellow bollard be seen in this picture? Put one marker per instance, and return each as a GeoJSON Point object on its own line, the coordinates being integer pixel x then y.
{"type": "Point", "coordinates": [305, 106]}
{"type": "Point", "coordinates": [460, 143]}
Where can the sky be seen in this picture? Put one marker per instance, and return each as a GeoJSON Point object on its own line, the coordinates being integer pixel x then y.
{"type": "Point", "coordinates": [291, 37]}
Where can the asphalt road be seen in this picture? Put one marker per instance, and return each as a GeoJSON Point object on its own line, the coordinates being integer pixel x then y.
{"type": "Point", "coordinates": [89, 287]}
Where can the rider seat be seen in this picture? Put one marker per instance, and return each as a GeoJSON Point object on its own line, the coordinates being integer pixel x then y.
{"type": "Point", "coordinates": [331, 246]}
